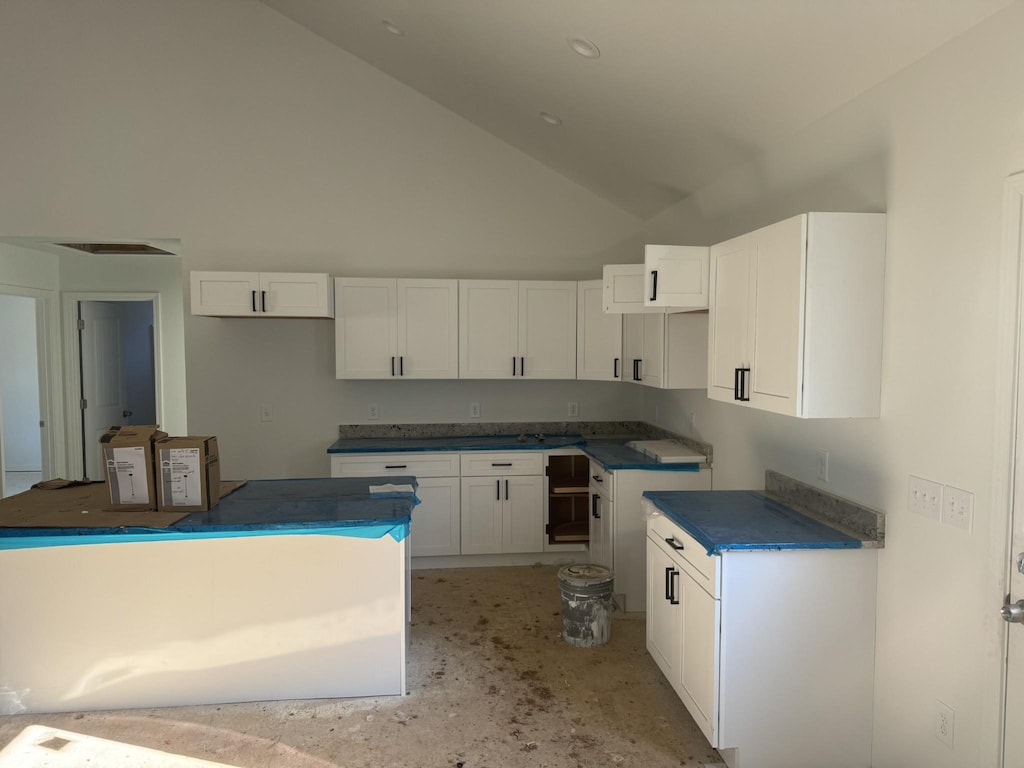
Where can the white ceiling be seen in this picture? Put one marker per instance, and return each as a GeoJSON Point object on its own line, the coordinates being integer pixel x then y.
{"type": "Point", "coordinates": [682, 90]}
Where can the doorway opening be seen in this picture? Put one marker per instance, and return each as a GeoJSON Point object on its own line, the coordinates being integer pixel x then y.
{"type": "Point", "coordinates": [21, 440]}
{"type": "Point", "coordinates": [114, 380]}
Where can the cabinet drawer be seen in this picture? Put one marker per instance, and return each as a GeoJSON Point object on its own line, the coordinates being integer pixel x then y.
{"type": "Point", "coordinates": [602, 481]}
{"type": "Point", "coordinates": [518, 463]}
{"type": "Point", "coordinates": [374, 464]}
{"type": "Point", "coordinates": [693, 558]}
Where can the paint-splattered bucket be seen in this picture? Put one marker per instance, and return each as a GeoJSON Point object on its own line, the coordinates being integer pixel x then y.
{"type": "Point", "coordinates": [586, 604]}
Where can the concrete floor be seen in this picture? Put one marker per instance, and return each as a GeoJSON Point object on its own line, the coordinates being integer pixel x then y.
{"type": "Point", "coordinates": [492, 684]}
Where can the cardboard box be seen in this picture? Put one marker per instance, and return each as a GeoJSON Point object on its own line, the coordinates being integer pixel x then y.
{"type": "Point", "coordinates": [188, 474]}
{"type": "Point", "coordinates": [128, 465]}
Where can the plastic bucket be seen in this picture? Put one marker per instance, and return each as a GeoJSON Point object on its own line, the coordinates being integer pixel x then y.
{"type": "Point", "coordinates": [586, 604]}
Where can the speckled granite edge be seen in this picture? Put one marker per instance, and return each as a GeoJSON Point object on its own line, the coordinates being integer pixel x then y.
{"type": "Point", "coordinates": [842, 514]}
{"type": "Point", "coordinates": [604, 429]}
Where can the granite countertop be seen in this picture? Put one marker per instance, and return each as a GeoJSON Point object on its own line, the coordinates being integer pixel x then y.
{"type": "Point", "coordinates": [725, 521]}
{"type": "Point", "coordinates": [611, 453]}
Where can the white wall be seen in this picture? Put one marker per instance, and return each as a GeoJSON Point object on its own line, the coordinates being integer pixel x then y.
{"type": "Point", "coordinates": [263, 147]}
{"type": "Point", "coordinates": [932, 147]}
{"type": "Point", "coordinates": [19, 385]}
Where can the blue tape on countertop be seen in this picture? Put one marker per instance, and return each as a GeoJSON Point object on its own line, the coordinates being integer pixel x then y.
{"type": "Point", "coordinates": [333, 506]}
{"type": "Point", "coordinates": [746, 520]}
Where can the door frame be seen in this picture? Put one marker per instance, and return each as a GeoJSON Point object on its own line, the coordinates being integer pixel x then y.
{"type": "Point", "coordinates": [1008, 498]}
{"type": "Point", "coordinates": [51, 405]}
{"type": "Point", "coordinates": [73, 368]}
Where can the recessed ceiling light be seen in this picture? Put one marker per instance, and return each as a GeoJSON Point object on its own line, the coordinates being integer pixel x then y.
{"type": "Point", "coordinates": [585, 48]}
{"type": "Point", "coordinates": [394, 30]}
{"type": "Point", "coordinates": [550, 119]}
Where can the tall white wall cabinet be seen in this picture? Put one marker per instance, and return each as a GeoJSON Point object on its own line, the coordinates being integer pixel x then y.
{"type": "Point", "coordinates": [796, 316]}
{"type": "Point", "coordinates": [396, 328]}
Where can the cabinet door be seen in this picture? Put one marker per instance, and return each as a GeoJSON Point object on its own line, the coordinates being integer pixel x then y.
{"type": "Point", "coordinates": [686, 350]}
{"type": "Point", "coordinates": [676, 276]}
{"type": "Point", "coordinates": [699, 659]}
{"type": "Point", "coordinates": [428, 329]}
{"type": "Point", "coordinates": [365, 332]}
{"type": "Point", "coordinates": [436, 524]}
{"type": "Point", "coordinates": [602, 543]}
{"type": "Point", "coordinates": [623, 289]}
{"type": "Point", "coordinates": [663, 617]}
{"type": "Point", "coordinates": [225, 294]}
{"type": "Point", "coordinates": [598, 336]}
{"type": "Point", "coordinates": [652, 367]}
{"type": "Point", "coordinates": [547, 329]}
{"type": "Point", "coordinates": [778, 304]}
{"type": "Point", "coordinates": [488, 329]}
{"type": "Point", "coordinates": [729, 316]}
{"type": "Point", "coordinates": [523, 514]}
{"type": "Point", "coordinates": [296, 294]}
{"type": "Point", "coordinates": [482, 505]}
{"type": "Point", "coordinates": [632, 346]}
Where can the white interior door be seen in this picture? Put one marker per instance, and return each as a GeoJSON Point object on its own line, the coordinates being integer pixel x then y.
{"type": "Point", "coordinates": [103, 393]}
{"type": "Point", "coordinates": [1013, 734]}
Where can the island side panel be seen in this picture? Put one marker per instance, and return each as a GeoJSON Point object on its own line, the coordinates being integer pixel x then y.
{"type": "Point", "coordinates": [167, 623]}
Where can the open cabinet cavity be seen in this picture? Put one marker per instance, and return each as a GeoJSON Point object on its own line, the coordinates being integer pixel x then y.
{"type": "Point", "coordinates": [568, 500]}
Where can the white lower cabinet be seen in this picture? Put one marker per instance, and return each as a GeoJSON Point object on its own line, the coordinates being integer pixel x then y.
{"type": "Point", "coordinates": [617, 522]}
{"type": "Point", "coordinates": [502, 503]}
{"type": "Point", "coordinates": [772, 652]}
{"type": "Point", "coordinates": [435, 528]}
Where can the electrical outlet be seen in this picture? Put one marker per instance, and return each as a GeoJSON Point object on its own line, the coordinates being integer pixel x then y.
{"type": "Point", "coordinates": [957, 507]}
{"type": "Point", "coordinates": [474, 410]}
{"type": "Point", "coordinates": [373, 412]}
{"type": "Point", "coordinates": [822, 457]}
{"type": "Point", "coordinates": [574, 409]}
{"type": "Point", "coordinates": [924, 497]}
{"type": "Point", "coordinates": [945, 718]}
{"type": "Point", "coordinates": [266, 413]}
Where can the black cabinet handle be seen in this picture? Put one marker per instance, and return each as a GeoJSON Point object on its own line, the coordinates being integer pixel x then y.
{"type": "Point", "coordinates": [401, 365]}
{"type": "Point", "coordinates": [254, 301]}
{"type": "Point", "coordinates": [522, 366]}
{"type": "Point", "coordinates": [497, 490]}
{"type": "Point", "coordinates": [673, 598]}
{"type": "Point", "coordinates": [668, 582]}
{"type": "Point", "coordinates": [597, 477]}
{"type": "Point", "coordinates": [396, 466]}
{"type": "Point", "coordinates": [674, 544]}
{"type": "Point", "coordinates": [654, 285]}
{"type": "Point", "coordinates": [263, 300]}
{"type": "Point", "coordinates": [392, 365]}
{"type": "Point", "coordinates": [501, 463]}
{"type": "Point", "coordinates": [506, 490]}
{"type": "Point", "coordinates": [735, 383]}
{"type": "Point", "coordinates": [593, 506]}
{"type": "Point", "coordinates": [513, 365]}
{"type": "Point", "coordinates": [743, 384]}
{"type": "Point", "coordinates": [636, 369]}
{"type": "Point", "coordinates": [615, 369]}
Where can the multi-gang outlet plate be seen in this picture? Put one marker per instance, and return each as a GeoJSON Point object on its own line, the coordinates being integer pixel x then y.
{"type": "Point", "coordinates": [924, 497]}
{"type": "Point", "coordinates": [957, 507]}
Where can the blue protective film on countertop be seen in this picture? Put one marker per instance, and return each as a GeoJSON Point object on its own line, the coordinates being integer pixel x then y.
{"type": "Point", "coordinates": [615, 454]}
{"type": "Point", "coordinates": [745, 520]}
{"type": "Point", "coordinates": [339, 506]}
{"type": "Point", "coordinates": [440, 444]}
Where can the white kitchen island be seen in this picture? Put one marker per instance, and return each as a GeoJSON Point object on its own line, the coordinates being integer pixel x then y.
{"type": "Point", "coordinates": [288, 589]}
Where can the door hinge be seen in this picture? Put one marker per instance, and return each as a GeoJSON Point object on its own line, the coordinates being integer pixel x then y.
{"type": "Point", "coordinates": [42, 425]}
{"type": "Point", "coordinates": [84, 404]}
{"type": "Point", "coordinates": [81, 324]}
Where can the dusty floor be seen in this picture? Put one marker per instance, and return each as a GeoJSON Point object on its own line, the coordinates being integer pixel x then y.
{"type": "Point", "coordinates": [492, 684]}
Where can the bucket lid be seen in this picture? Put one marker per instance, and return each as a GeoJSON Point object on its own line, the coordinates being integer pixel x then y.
{"type": "Point", "coordinates": [585, 574]}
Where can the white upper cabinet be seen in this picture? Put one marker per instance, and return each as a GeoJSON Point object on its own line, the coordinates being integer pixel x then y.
{"type": "Point", "coordinates": [396, 328]}
{"type": "Point", "coordinates": [261, 294]}
{"type": "Point", "coordinates": [517, 329]}
{"type": "Point", "coordinates": [667, 351]}
{"type": "Point", "coordinates": [796, 316]}
{"type": "Point", "coordinates": [598, 335]}
{"type": "Point", "coordinates": [676, 276]}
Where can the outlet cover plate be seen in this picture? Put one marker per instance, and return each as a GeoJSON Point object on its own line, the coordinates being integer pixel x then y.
{"type": "Point", "coordinates": [944, 721]}
{"type": "Point", "coordinates": [924, 497]}
{"type": "Point", "coordinates": [474, 410]}
{"type": "Point", "coordinates": [957, 507]}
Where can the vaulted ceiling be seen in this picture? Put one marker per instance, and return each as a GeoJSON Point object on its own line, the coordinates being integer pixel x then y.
{"type": "Point", "coordinates": [680, 91]}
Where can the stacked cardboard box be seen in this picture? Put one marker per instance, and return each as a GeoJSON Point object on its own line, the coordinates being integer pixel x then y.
{"type": "Point", "coordinates": [128, 465]}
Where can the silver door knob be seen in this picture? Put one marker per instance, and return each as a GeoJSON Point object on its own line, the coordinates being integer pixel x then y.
{"type": "Point", "coordinates": [1020, 562]}
{"type": "Point", "coordinates": [1013, 613]}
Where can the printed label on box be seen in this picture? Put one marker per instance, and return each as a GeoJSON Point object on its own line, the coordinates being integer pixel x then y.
{"type": "Point", "coordinates": [126, 470]}
{"type": "Point", "coordinates": [182, 482]}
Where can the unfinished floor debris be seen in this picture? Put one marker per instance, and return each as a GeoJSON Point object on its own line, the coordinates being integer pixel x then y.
{"type": "Point", "coordinates": [492, 684]}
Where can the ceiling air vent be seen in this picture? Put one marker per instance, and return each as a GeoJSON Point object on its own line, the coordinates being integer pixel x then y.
{"type": "Point", "coordinates": [134, 249]}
